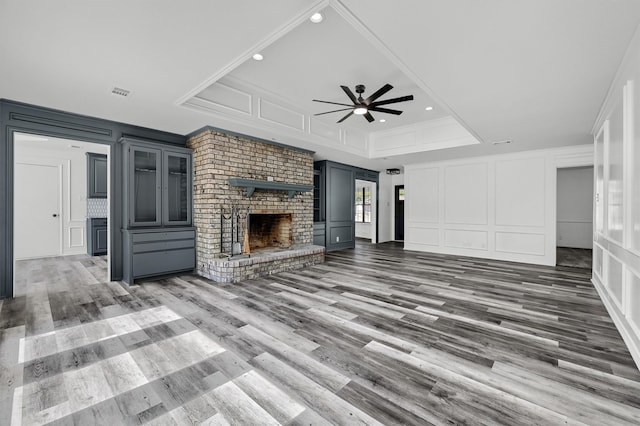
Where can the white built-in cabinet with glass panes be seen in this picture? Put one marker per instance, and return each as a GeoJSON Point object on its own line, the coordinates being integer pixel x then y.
{"type": "Point", "coordinates": [158, 237]}
{"type": "Point", "coordinates": [159, 186]}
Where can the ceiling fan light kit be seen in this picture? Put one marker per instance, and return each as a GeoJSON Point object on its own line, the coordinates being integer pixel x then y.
{"type": "Point", "coordinates": [364, 107]}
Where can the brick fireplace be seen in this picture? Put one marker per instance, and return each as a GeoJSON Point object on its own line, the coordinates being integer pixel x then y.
{"type": "Point", "coordinates": [273, 230]}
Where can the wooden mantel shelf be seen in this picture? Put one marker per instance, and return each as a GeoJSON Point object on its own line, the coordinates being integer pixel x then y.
{"type": "Point", "coordinates": [252, 185]}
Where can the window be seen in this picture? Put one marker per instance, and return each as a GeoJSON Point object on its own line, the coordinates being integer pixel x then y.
{"type": "Point", "coordinates": [363, 204]}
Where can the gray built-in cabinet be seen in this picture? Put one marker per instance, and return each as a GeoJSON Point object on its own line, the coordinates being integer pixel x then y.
{"type": "Point", "coordinates": [96, 175]}
{"type": "Point", "coordinates": [97, 231]}
{"type": "Point", "coordinates": [158, 182]}
{"type": "Point", "coordinates": [97, 236]}
{"type": "Point", "coordinates": [334, 203]}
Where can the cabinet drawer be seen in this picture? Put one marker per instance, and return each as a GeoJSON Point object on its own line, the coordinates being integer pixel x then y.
{"type": "Point", "coordinates": [98, 221]}
{"type": "Point", "coordinates": [163, 245]}
{"type": "Point", "coordinates": [160, 262]}
{"type": "Point", "coordinates": [160, 236]}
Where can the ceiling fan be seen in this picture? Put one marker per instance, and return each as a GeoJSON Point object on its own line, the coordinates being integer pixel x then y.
{"type": "Point", "coordinates": [365, 106]}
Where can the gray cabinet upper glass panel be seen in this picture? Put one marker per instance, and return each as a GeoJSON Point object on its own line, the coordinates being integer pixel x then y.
{"type": "Point", "coordinates": [176, 190]}
{"type": "Point", "coordinates": [158, 184]}
{"type": "Point", "coordinates": [145, 181]}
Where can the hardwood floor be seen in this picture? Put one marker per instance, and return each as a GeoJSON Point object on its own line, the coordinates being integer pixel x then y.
{"type": "Point", "coordinates": [574, 257]}
{"type": "Point", "coordinates": [59, 273]}
{"type": "Point", "coordinates": [375, 335]}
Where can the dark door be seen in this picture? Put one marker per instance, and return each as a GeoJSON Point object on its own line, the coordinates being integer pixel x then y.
{"type": "Point", "coordinates": [399, 213]}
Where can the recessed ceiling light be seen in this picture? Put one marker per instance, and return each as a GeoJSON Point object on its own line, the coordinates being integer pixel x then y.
{"type": "Point", "coordinates": [258, 57]}
{"type": "Point", "coordinates": [316, 18]}
{"type": "Point", "coordinates": [382, 120]}
{"type": "Point", "coordinates": [429, 108]}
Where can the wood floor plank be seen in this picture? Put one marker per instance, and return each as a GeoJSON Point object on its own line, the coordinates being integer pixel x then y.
{"type": "Point", "coordinates": [321, 399]}
{"type": "Point", "coordinates": [233, 403]}
{"type": "Point", "coordinates": [273, 400]}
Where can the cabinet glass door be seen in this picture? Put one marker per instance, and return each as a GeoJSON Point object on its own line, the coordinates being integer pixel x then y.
{"type": "Point", "coordinates": [177, 189]}
{"type": "Point", "coordinates": [145, 192]}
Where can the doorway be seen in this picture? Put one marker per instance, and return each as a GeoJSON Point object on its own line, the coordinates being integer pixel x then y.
{"type": "Point", "coordinates": [399, 213]}
{"type": "Point", "coordinates": [365, 210]}
{"type": "Point", "coordinates": [574, 217]}
{"type": "Point", "coordinates": [52, 211]}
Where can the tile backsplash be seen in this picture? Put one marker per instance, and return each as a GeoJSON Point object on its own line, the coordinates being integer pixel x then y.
{"type": "Point", "coordinates": [97, 207]}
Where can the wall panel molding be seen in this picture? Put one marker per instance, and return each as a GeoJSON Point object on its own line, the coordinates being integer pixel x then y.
{"type": "Point", "coordinates": [281, 115]}
{"type": "Point", "coordinates": [322, 130]}
{"type": "Point", "coordinates": [525, 232]}
{"type": "Point", "coordinates": [422, 235]}
{"type": "Point", "coordinates": [466, 239]}
{"type": "Point", "coordinates": [520, 189]}
{"type": "Point", "coordinates": [76, 237]}
{"type": "Point", "coordinates": [239, 103]}
{"type": "Point", "coordinates": [223, 97]}
{"type": "Point", "coordinates": [466, 192]}
{"type": "Point", "coordinates": [522, 243]}
{"type": "Point", "coordinates": [617, 186]}
{"type": "Point", "coordinates": [424, 208]}
{"type": "Point", "coordinates": [425, 136]}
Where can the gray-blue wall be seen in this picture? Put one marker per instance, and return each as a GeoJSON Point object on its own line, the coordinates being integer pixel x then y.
{"type": "Point", "coordinates": [24, 118]}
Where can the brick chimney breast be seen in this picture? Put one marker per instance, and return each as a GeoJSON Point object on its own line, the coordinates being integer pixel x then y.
{"type": "Point", "coordinates": [223, 214]}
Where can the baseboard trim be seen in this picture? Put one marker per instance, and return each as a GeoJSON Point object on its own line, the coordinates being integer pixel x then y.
{"type": "Point", "coordinates": [626, 331]}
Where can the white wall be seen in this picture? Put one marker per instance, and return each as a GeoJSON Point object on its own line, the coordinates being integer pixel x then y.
{"type": "Point", "coordinates": [496, 207]}
{"type": "Point", "coordinates": [386, 212]}
{"type": "Point", "coordinates": [363, 230]}
{"type": "Point", "coordinates": [575, 208]}
{"type": "Point", "coordinates": [616, 251]}
{"type": "Point", "coordinates": [73, 163]}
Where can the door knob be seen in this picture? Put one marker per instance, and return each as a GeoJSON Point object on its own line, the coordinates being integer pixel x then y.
{"type": "Point", "coordinates": [55, 215]}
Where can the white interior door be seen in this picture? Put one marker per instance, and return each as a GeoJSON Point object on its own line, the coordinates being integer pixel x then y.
{"type": "Point", "coordinates": [37, 213]}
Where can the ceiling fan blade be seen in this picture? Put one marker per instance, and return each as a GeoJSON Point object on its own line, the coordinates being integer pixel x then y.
{"type": "Point", "coordinates": [345, 117]}
{"type": "Point", "coordinates": [385, 110]}
{"type": "Point", "coordinates": [335, 110]}
{"type": "Point", "coordinates": [332, 103]}
{"type": "Point", "coordinates": [381, 91]}
{"type": "Point", "coordinates": [369, 117]}
{"type": "Point", "coordinates": [392, 101]}
{"type": "Point", "coordinates": [350, 94]}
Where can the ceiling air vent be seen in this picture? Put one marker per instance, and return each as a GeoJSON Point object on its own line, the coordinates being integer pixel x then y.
{"type": "Point", "coordinates": [120, 92]}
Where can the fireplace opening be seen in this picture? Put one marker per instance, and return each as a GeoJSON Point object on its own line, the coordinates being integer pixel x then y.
{"type": "Point", "coordinates": [272, 230]}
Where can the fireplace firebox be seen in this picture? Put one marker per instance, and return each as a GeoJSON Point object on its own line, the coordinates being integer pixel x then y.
{"type": "Point", "coordinates": [270, 230]}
